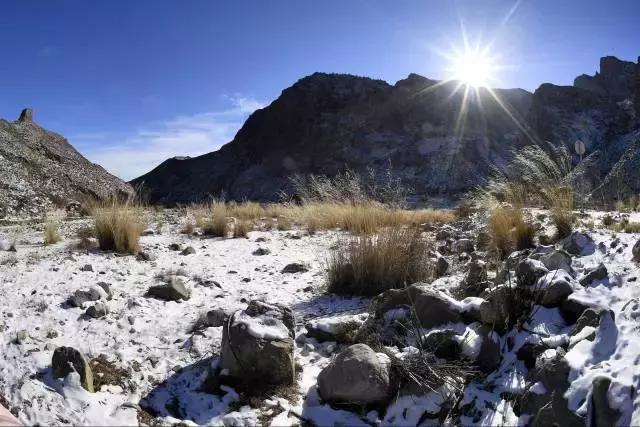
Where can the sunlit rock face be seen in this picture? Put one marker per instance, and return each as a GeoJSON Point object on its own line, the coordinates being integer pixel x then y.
{"type": "Point", "coordinates": [40, 170]}
{"type": "Point", "coordinates": [440, 138]}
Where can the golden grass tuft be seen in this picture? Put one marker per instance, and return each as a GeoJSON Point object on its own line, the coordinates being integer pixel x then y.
{"type": "Point", "coordinates": [242, 228]}
{"type": "Point", "coordinates": [216, 223]}
{"type": "Point", "coordinates": [370, 264]}
{"type": "Point", "coordinates": [118, 226]}
{"type": "Point", "coordinates": [51, 233]}
{"type": "Point", "coordinates": [509, 230]}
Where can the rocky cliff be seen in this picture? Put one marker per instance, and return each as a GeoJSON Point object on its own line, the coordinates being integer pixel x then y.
{"type": "Point", "coordinates": [440, 139]}
{"type": "Point", "coordinates": [40, 169]}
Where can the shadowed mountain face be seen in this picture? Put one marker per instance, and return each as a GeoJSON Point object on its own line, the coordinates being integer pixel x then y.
{"type": "Point", "coordinates": [440, 141]}
{"type": "Point", "coordinates": [40, 169]}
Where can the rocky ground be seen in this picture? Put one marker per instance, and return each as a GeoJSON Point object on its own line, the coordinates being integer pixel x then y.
{"type": "Point", "coordinates": [549, 336]}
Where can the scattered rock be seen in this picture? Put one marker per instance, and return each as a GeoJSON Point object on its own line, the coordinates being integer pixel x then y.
{"type": "Point", "coordinates": [552, 370]}
{"type": "Point", "coordinates": [589, 317]}
{"type": "Point", "coordinates": [555, 288]}
{"type": "Point", "coordinates": [597, 273]}
{"type": "Point", "coordinates": [22, 336]}
{"type": "Point", "coordinates": [295, 267]}
{"type": "Point", "coordinates": [97, 310]}
{"type": "Point", "coordinates": [557, 413]}
{"type": "Point", "coordinates": [556, 260]}
{"type": "Point", "coordinates": [106, 287]}
{"type": "Point", "coordinates": [601, 412]}
{"type": "Point", "coordinates": [261, 251]}
{"type": "Point", "coordinates": [216, 317]}
{"type": "Point", "coordinates": [189, 250]}
{"type": "Point", "coordinates": [175, 247]}
{"type": "Point", "coordinates": [66, 360]}
{"type": "Point", "coordinates": [444, 344]}
{"type": "Point", "coordinates": [636, 251]}
{"type": "Point", "coordinates": [148, 232]}
{"type": "Point", "coordinates": [463, 245]}
{"type": "Point", "coordinates": [174, 290]}
{"type": "Point", "coordinates": [477, 272]}
{"type": "Point", "coordinates": [257, 345]}
{"type": "Point", "coordinates": [81, 296]}
{"type": "Point", "coordinates": [529, 271]}
{"type": "Point", "coordinates": [341, 329]}
{"type": "Point", "coordinates": [441, 267]}
{"type": "Point", "coordinates": [86, 267]}
{"type": "Point", "coordinates": [356, 376]}
{"type": "Point", "coordinates": [145, 256]}
{"type": "Point", "coordinates": [578, 243]}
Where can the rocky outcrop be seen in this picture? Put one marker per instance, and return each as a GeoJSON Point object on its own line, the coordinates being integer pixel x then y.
{"type": "Point", "coordinates": [327, 122]}
{"type": "Point", "coordinates": [39, 170]}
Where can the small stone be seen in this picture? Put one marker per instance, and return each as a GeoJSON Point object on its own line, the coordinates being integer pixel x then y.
{"type": "Point", "coordinates": [148, 232]}
{"type": "Point", "coordinates": [463, 245]}
{"type": "Point", "coordinates": [261, 251]}
{"type": "Point", "coordinates": [174, 290]}
{"type": "Point", "coordinates": [174, 247]}
{"type": "Point", "coordinates": [189, 250]}
{"type": "Point", "coordinates": [107, 289]}
{"type": "Point", "coordinates": [145, 256]}
{"type": "Point", "coordinates": [86, 267]}
{"type": "Point", "coordinates": [442, 265]}
{"type": "Point", "coordinates": [295, 267]}
{"type": "Point", "coordinates": [216, 317]}
{"type": "Point", "coordinates": [97, 310]}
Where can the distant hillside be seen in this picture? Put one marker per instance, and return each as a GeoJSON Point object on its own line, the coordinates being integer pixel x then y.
{"type": "Point", "coordinates": [40, 169]}
{"type": "Point", "coordinates": [325, 123]}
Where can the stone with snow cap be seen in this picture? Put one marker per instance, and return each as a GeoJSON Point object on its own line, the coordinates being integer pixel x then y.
{"type": "Point", "coordinates": [556, 260]}
{"type": "Point", "coordinates": [596, 273]}
{"type": "Point", "coordinates": [341, 329]}
{"type": "Point", "coordinates": [257, 345]}
{"type": "Point", "coordinates": [555, 287]}
{"type": "Point", "coordinates": [66, 360]}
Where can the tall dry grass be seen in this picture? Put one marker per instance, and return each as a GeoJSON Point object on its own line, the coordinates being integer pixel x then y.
{"type": "Point", "coordinates": [358, 218]}
{"type": "Point", "coordinates": [118, 225]}
{"type": "Point", "coordinates": [370, 264]}
{"type": "Point", "coordinates": [509, 230]}
{"type": "Point", "coordinates": [51, 232]}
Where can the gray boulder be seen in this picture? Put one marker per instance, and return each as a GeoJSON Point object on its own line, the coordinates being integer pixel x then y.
{"type": "Point", "coordinates": [597, 273]}
{"type": "Point", "coordinates": [97, 310]}
{"type": "Point", "coordinates": [66, 360]}
{"type": "Point", "coordinates": [431, 307]}
{"type": "Point", "coordinates": [189, 250]}
{"type": "Point", "coordinates": [477, 272]}
{"type": "Point", "coordinates": [81, 296]}
{"type": "Point", "coordinates": [529, 271]}
{"type": "Point", "coordinates": [174, 290]}
{"type": "Point", "coordinates": [462, 245]}
{"type": "Point", "coordinates": [555, 288]}
{"type": "Point", "coordinates": [601, 413]}
{"type": "Point", "coordinates": [257, 345]}
{"type": "Point", "coordinates": [216, 317]}
{"type": "Point", "coordinates": [556, 260]}
{"type": "Point", "coordinates": [441, 266]}
{"type": "Point", "coordinates": [578, 243]}
{"type": "Point", "coordinates": [356, 376]}
{"type": "Point", "coordinates": [295, 267]}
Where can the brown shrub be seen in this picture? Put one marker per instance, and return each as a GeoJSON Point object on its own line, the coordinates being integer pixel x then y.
{"type": "Point", "coordinates": [118, 226]}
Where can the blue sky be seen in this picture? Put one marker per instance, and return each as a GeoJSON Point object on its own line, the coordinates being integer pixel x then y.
{"type": "Point", "coordinates": [131, 83]}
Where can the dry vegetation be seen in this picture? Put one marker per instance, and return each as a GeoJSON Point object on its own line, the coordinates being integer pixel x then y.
{"type": "Point", "coordinates": [118, 225]}
{"type": "Point", "coordinates": [368, 265]}
{"type": "Point", "coordinates": [51, 232]}
{"type": "Point", "coordinates": [535, 177]}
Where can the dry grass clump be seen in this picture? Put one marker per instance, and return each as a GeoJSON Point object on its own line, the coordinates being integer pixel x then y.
{"type": "Point", "coordinates": [118, 225]}
{"type": "Point", "coordinates": [283, 223]}
{"type": "Point", "coordinates": [371, 264]}
{"type": "Point", "coordinates": [509, 230]}
{"type": "Point", "coordinates": [562, 212]}
{"type": "Point", "coordinates": [625, 226]}
{"type": "Point", "coordinates": [51, 233]}
{"type": "Point", "coordinates": [241, 228]}
{"type": "Point", "coordinates": [188, 228]}
{"type": "Point", "coordinates": [216, 223]}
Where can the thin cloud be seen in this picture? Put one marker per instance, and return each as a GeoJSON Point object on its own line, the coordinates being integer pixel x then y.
{"type": "Point", "coordinates": [192, 135]}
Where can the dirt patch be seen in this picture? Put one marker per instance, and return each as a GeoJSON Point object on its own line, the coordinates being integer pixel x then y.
{"type": "Point", "coordinates": [106, 373]}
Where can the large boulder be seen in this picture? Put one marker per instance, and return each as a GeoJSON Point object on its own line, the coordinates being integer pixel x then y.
{"type": "Point", "coordinates": [432, 307]}
{"type": "Point", "coordinates": [358, 375]}
{"type": "Point", "coordinates": [257, 345]}
{"type": "Point", "coordinates": [596, 273]}
{"type": "Point", "coordinates": [66, 360]}
{"type": "Point", "coordinates": [463, 245]}
{"type": "Point", "coordinates": [555, 260]}
{"type": "Point", "coordinates": [555, 287]}
{"type": "Point", "coordinates": [477, 272]}
{"type": "Point", "coordinates": [341, 329]}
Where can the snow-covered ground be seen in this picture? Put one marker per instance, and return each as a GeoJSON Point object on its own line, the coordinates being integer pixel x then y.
{"type": "Point", "coordinates": [150, 339]}
{"type": "Point", "coordinates": [163, 362]}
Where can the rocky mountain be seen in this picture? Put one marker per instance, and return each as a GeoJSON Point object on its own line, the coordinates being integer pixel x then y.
{"type": "Point", "coordinates": [39, 169]}
{"type": "Point", "coordinates": [439, 138]}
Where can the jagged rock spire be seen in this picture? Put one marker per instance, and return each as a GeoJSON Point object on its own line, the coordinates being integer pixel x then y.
{"type": "Point", "coordinates": [26, 115]}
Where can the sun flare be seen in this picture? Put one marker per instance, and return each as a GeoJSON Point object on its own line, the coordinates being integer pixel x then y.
{"type": "Point", "coordinates": [473, 67]}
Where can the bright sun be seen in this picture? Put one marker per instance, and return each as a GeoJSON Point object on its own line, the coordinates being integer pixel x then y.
{"type": "Point", "coordinates": [473, 67]}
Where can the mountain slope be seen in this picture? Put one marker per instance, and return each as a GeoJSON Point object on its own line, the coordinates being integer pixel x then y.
{"type": "Point", "coordinates": [327, 122]}
{"type": "Point", "coordinates": [40, 169]}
